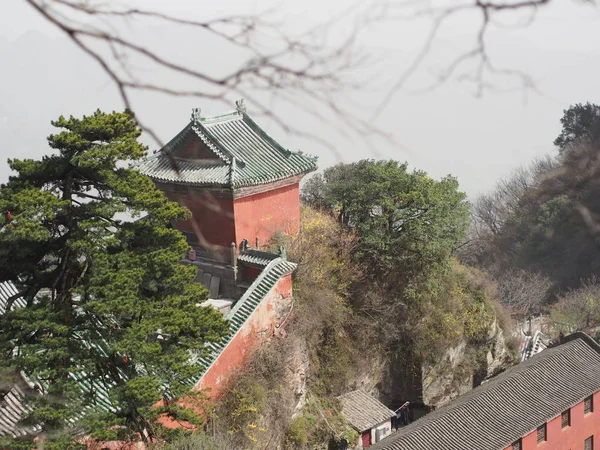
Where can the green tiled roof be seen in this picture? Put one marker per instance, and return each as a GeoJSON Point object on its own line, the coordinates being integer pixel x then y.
{"type": "Point", "coordinates": [244, 155]}
{"type": "Point", "coordinates": [8, 290]}
{"type": "Point", "coordinates": [256, 257]}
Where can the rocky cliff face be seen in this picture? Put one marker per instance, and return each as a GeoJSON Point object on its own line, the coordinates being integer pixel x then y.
{"type": "Point", "coordinates": [298, 373]}
{"type": "Point", "coordinates": [498, 357]}
{"type": "Point", "coordinates": [449, 377]}
{"type": "Point", "coordinates": [464, 367]}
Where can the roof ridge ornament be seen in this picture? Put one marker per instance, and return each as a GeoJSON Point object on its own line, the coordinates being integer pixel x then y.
{"type": "Point", "coordinates": [195, 115]}
{"type": "Point", "coordinates": [240, 106]}
{"type": "Point", "coordinates": [282, 252]}
{"type": "Point", "coordinates": [232, 171]}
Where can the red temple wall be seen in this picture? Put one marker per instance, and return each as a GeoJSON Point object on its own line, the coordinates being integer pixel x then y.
{"type": "Point", "coordinates": [262, 215]}
{"type": "Point", "coordinates": [212, 216]}
{"type": "Point", "coordinates": [257, 328]}
{"type": "Point", "coordinates": [569, 438]}
{"type": "Point", "coordinates": [223, 221]}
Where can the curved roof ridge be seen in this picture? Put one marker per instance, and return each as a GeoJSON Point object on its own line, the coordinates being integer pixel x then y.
{"type": "Point", "coordinates": [261, 132]}
{"type": "Point", "coordinates": [177, 139]}
{"type": "Point", "coordinates": [229, 115]}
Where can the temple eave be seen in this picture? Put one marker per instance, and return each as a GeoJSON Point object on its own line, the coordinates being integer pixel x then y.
{"type": "Point", "coordinates": [235, 191]}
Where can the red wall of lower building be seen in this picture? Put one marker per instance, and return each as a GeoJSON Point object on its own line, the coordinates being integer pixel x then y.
{"type": "Point", "coordinates": [365, 439]}
{"type": "Point", "coordinates": [249, 273]}
{"type": "Point", "coordinates": [570, 438]}
{"type": "Point", "coordinates": [261, 215]}
{"type": "Point", "coordinates": [259, 327]}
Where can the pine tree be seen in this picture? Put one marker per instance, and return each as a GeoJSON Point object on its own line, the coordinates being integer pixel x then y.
{"type": "Point", "coordinates": [111, 315]}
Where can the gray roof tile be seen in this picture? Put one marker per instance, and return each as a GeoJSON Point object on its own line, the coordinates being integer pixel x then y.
{"type": "Point", "coordinates": [7, 290]}
{"type": "Point", "coordinates": [363, 411]}
{"type": "Point", "coordinates": [511, 405]}
{"type": "Point", "coordinates": [12, 408]}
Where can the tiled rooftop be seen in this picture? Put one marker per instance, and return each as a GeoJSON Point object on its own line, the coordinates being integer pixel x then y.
{"type": "Point", "coordinates": [244, 155]}
{"type": "Point", "coordinates": [7, 291]}
{"type": "Point", "coordinates": [256, 257]}
{"type": "Point", "coordinates": [12, 409]}
{"type": "Point", "coordinates": [362, 411]}
{"type": "Point", "coordinates": [11, 406]}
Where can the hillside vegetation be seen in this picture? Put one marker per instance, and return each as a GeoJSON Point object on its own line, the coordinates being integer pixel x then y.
{"type": "Point", "coordinates": [377, 293]}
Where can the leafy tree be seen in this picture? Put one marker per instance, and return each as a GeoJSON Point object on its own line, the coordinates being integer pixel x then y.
{"type": "Point", "coordinates": [110, 311]}
{"type": "Point", "coordinates": [404, 220]}
{"type": "Point", "coordinates": [313, 192]}
{"type": "Point", "coordinates": [316, 190]}
{"type": "Point", "coordinates": [406, 226]}
{"type": "Point", "coordinates": [578, 122]}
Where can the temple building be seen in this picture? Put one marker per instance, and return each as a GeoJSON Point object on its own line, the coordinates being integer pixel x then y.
{"type": "Point", "coordinates": [241, 187]}
{"type": "Point", "coordinates": [236, 180]}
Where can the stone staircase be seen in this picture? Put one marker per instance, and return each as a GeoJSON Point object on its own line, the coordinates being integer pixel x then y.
{"type": "Point", "coordinates": [533, 345]}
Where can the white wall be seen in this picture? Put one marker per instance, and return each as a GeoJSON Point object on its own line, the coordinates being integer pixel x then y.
{"type": "Point", "coordinates": [387, 426]}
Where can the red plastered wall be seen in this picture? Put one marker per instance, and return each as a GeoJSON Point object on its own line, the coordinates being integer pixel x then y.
{"type": "Point", "coordinates": [569, 438]}
{"type": "Point", "coordinates": [212, 216]}
{"type": "Point", "coordinates": [261, 215]}
{"type": "Point", "coordinates": [258, 327]}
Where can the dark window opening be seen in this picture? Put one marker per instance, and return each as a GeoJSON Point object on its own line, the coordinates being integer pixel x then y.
{"type": "Point", "coordinates": [516, 445]}
{"type": "Point", "coordinates": [541, 433]}
{"type": "Point", "coordinates": [588, 405]}
{"type": "Point", "coordinates": [589, 443]}
{"type": "Point", "coordinates": [565, 419]}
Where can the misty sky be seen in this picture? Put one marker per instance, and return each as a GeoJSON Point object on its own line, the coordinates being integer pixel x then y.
{"type": "Point", "coordinates": [448, 130]}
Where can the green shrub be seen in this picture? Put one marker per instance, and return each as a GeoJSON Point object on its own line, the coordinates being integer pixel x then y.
{"type": "Point", "coordinates": [299, 430]}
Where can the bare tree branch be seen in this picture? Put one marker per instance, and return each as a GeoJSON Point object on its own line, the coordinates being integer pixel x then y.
{"type": "Point", "coordinates": [477, 53]}
{"type": "Point", "coordinates": [525, 293]}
